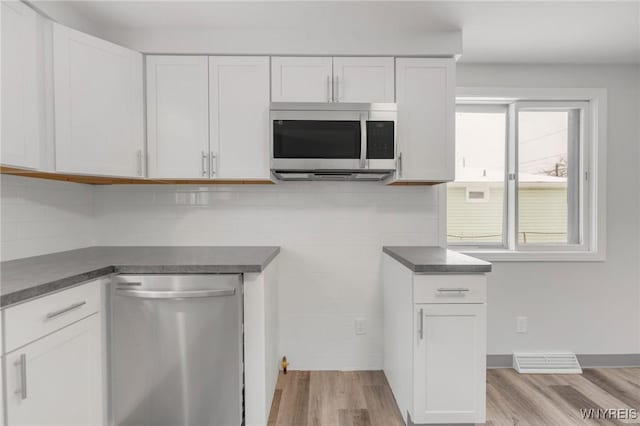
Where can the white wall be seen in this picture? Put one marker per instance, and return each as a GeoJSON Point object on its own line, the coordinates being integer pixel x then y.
{"type": "Point", "coordinates": [589, 308]}
{"type": "Point", "coordinates": [331, 236]}
{"type": "Point", "coordinates": [39, 216]}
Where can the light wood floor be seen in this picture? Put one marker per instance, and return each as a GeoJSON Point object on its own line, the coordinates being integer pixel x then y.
{"type": "Point", "coordinates": [363, 398]}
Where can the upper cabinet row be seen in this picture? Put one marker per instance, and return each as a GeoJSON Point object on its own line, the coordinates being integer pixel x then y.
{"type": "Point", "coordinates": [208, 117]}
{"type": "Point", "coordinates": [80, 108]}
{"type": "Point", "coordinates": [326, 79]}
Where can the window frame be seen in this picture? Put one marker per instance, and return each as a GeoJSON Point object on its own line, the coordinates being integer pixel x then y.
{"type": "Point", "coordinates": [592, 182]}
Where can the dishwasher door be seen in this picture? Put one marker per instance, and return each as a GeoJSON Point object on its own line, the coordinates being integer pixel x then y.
{"type": "Point", "coordinates": [176, 350]}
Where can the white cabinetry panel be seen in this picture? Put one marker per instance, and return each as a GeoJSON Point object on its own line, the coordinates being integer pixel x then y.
{"type": "Point", "coordinates": [301, 79]}
{"type": "Point", "coordinates": [239, 117]}
{"type": "Point", "coordinates": [20, 118]}
{"type": "Point", "coordinates": [449, 363]}
{"type": "Point", "coordinates": [58, 379]}
{"type": "Point", "coordinates": [178, 116]}
{"type": "Point", "coordinates": [98, 105]}
{"type": "Point", "coordinates": [426, 115]}
{"type": "Point", "coordinates": [363, 79]}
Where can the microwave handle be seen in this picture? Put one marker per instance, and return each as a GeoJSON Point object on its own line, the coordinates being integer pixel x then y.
{"type": "Point", "coordinates": [363, 140]}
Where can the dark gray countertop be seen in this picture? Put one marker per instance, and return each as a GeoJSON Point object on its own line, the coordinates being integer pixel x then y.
{"type": "Point", "coordinates": [23, 279]}
{"type": "Point", "coordinates": [425, 259]}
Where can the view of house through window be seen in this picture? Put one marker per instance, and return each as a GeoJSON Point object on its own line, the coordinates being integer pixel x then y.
{"type": "Point", "coordinates": [544, 171]}
{"type": "Point", "coordinates": [544, 190]}
{"type": "Point", "coordinates": [475, 212]}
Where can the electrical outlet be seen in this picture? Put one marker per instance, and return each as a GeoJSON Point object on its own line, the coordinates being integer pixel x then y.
{"type": "Point", "coordinates": [361, 326]}
{"type": "Point", "coordinates": [521, 324]}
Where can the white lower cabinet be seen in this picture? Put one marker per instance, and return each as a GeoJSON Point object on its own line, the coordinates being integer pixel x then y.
{"type": "Point", "coordinates": [57, 378]}
{"type": "Point", "coordinates": [449, 367]}
{"type": "Point", "coordinates": [435, 352]}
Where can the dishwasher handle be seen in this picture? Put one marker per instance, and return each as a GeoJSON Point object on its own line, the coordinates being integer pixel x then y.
{"type": "Point", "coordinates": [173, 294]}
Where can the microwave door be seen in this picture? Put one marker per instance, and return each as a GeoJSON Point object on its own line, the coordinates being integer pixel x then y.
{"type": "Point", "coordinates": [316, 140]}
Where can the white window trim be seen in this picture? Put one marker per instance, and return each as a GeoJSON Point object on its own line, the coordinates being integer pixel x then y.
{"type": "Point", "coordinates": [595, 229]}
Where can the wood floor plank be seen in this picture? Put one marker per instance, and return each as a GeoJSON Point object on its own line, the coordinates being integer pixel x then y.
{"type": "Point", "coordinates": [608, 383]}
{"type": "Point", "coordinates": [275, 407]}
{"type": "Point", "coordinates": [576, 401]}
{"type": "Point", "coordinates": [301, 406]}
{"type": "Point", "coordinates": [364, 398]}
{"type": "Point", "coordinates": [514, 394]}
{"type": "Point", "coordinates": [353, 417]}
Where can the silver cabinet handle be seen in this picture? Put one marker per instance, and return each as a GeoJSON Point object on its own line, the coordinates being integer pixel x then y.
{"type": "Point", "coordinates": [212, 166]}
{"type": "Point", "coordinates": [363, 140]}
{"type": "Point", "coordinates": [204, 163]}
{"type": "Point", "coordinates": [421, 329]}
{"type": "Point", "coordinates": [329, 89]}
{"type": "Point", "coordinates": [140, 170]}
{"type": "Point", "coordinates": [453, 290]}
{"type": "Point", "coordinates": [22, 391]}
{"type": "Point", "coordinates": [171, 294]}
{"type": "Point", "coordinates": [336, 91]}
{"type": "Point", "coordinates": [54, 314]}
{"type": "Point", "coordinates": [400, 165]}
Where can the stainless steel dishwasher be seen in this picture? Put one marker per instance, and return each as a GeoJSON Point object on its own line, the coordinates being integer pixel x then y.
{"type": "Point", "coordinates": [176, 350]}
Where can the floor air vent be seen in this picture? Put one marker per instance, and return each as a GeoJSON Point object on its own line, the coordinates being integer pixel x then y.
{"type": "Point", "coordinates": [546, 363]}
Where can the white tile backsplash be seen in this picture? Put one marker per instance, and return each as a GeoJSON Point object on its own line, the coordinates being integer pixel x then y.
{"type": "Point", "coordinates": [331, 236]}
{"type": "Point", "coordinates": [40, 216]}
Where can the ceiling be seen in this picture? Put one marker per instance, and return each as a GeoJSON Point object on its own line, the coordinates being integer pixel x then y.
{"type": "Point", "coordinates": [493, 32]}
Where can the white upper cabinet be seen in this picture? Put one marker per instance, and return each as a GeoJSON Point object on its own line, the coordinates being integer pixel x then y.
{"type": "Point", "coordinates": [178, 117]}
{"type": "Point", "coordinates": [363, 79]}
{"type": "Point", "coordinates": [20, 118]}
{"type": "Point", "coordinates": [239, 117]}
{"type": "Point", "coordinates": [426, 113]}
{"type": "Point", "coordinates": [326, 79]}
{"type": "Point", "coordinates": [301, 79]}
{"type": "Point", "coordinates": [98, 95]}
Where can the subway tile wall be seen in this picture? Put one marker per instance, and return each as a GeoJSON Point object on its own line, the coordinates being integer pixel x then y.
{"type": "Point", "coordinates": [331, 236]}
{"type": "Point", "coordinates": [42, 216]}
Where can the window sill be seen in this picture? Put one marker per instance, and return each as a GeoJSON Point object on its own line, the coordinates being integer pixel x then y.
{"type": "Point", "coordinates": [497, 255]}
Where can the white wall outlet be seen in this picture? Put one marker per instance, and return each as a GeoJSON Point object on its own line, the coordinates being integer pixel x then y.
{"type": "Point", "coordinates": [521, 324]}
{"type": "Point", "coordinates": [361, 326]}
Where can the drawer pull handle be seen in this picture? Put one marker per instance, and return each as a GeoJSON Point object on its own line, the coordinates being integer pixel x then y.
{"type": "Point", "coordinates": [453, 290]}
{"type": "Point", "coordinates": [22, 392]}
{"type": "Point", "coordinates": [52, 315]}
{"type": "Point", "coordinates": [421, 330]}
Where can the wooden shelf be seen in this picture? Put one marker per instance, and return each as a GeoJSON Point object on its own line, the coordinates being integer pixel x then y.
{"type": "Point", "coordinates": [106, 180]}
{"type": "Point", "coordinates": [414, 183]}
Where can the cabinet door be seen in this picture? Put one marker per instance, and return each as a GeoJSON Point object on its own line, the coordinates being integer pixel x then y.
{"type": "Point", "coordinates": [57, 380]}
{"type": "Point", "coordinates": [449, 363]}
{"type": "Point", "coordinates": [98, 105]}
{"type": "Point", "coordinates": [426, 113]}
{"type": "Point", "coordinates": [301, 79]}
{"type": "Point", "coordinates": [178, 116]}
{"type": "Point", "coordinates": [239, 120]}
{"type": "Point", "coordinates": [20, 116]}
{"type": "Point", "coordinates": [363, 80]}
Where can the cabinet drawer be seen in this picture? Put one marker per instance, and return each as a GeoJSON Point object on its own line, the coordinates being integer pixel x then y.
{"type": "Point", "coordinates": [29, 321]}
{"type": "Point", "coordinates": [449, 289]}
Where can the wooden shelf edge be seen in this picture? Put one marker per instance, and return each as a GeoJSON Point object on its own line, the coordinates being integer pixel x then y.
{"type": "Point", "coordinates": [414, 183]}
{"type": "Point", "coordinates": [105, 180]}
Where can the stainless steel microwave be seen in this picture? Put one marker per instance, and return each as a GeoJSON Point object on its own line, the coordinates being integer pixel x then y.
{"type": "Point", "coordinates": [333, 141]}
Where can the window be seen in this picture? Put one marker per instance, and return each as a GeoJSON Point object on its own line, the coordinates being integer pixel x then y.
{"type": "Point", "coordinates": [481, 139]}
{"type": "Point", "coordinates": [523, 181]}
